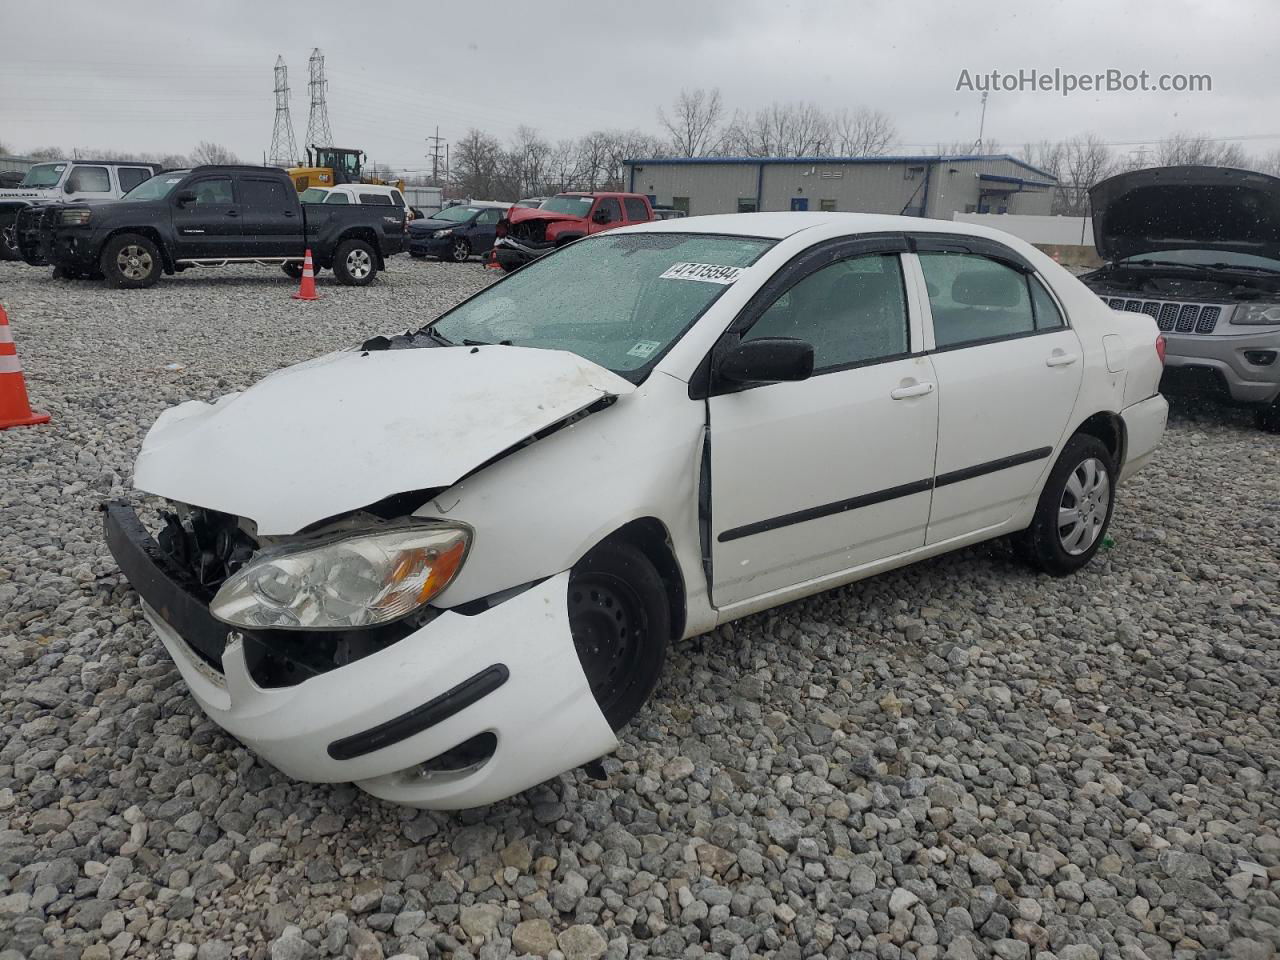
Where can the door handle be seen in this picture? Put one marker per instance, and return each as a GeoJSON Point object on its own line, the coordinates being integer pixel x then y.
{"type": "Point", "coordinates": [232, 213]}
{"type": "Point", "coordinates": [914, 390]}
{"type": "Point", "coordinates": [1061, 359]}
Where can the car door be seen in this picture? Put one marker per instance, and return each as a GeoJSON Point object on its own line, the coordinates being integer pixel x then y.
{"type": "Point", "coordinates": [606, 214]}
{"type": "Point", "coordinates": [206, 218]}
{"type": "Point", "coordinates": [89, 182]}
{"type": "Point", "coordinates": [812, 478]}
{"type": "Point", "coordinates": [270, 218]}
{"type": "Point", "coordinates": [484, 229]}
{"type": "Point", "coordinates": [1008, 370]}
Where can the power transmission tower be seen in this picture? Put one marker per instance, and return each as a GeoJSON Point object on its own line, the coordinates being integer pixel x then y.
{"type": "Point", "coordinates": [318, 132]}
{"type": "Point", "coordinates": [284, 152]}
{"type": "Point", "coordinates": [438, 145]}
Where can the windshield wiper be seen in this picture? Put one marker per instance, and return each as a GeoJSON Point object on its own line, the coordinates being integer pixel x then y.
{"type": "Point", "coordinates": [437, 336]}
{"type": "Point", "coordinates": [485, 343]}
{"type": "Point", "coordinates": [1200, 267]}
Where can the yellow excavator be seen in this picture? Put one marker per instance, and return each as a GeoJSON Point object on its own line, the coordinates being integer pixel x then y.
{"type": "Point", "coordinates": [331, 166]}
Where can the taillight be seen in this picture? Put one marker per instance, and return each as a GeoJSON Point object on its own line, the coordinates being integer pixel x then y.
{"type": "Point", "coordinates": [1160, 347]}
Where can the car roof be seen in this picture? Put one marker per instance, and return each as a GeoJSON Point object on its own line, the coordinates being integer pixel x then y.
{"type": "Point", "coordinates": [783, 224]}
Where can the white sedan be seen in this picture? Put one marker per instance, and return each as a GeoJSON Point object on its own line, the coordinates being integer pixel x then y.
{"type": "Point", "coordinates": [447, 565]}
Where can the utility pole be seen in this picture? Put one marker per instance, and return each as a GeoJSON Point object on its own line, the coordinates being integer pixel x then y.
{"type": "Point", "coordinates": [438, 146]}
{"type": "Point", "coordinates": [982, 123]}
{"type": "Point", "coordinates": [284, 152]}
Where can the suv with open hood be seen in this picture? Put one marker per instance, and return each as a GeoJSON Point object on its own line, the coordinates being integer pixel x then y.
{"type": "Point", "coordinates": [1198, 249]}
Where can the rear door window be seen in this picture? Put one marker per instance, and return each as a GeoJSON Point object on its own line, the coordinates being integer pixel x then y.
{"type": "Point", "coordinates": [130, 177]}
{"type": "Point", "coordinates": [635, 208]}
{"type": "Point", "coordinates": [974, 298]}
{"type": "Point", "coordinates": [264, 194]}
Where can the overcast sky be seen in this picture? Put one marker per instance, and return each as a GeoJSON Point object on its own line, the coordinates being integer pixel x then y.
{"type": "Point", "coordinates": [108, 75]}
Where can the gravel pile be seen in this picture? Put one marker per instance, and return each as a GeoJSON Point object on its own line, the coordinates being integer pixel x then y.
{"type": "Point", "coordinates": [958, 760]}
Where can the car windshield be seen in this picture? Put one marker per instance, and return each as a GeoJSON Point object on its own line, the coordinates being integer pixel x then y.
{"type": "Point", "coordinates": [158, 187]}
{"type": "Point", "coordinates": [616, 300]}
{"type": "Point", "coordinates": [1201, 258]}
{"type": "Point", "coordinates": [313, 195]}
{"type": "Point", "coordinates": [44, 175]}
{"type": "Point", "coordinates": [456, 214]}
{"type": "Point", "coordinates": [565, 203]}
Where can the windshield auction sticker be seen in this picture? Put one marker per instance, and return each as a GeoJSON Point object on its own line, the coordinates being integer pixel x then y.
{"type": "Point", "coordinates": [703, 272]}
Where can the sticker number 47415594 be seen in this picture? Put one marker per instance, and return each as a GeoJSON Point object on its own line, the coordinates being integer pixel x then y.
{"type": "Point", "coordinates": [703, 272]}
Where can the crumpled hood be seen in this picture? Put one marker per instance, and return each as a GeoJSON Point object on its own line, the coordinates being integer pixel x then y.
{"type": "Point", "coordinates": [1178, 208]}
{"type": "Point", "coordinates": [346, 430]}
{"type": "Point", "coordinates": [527, 214]}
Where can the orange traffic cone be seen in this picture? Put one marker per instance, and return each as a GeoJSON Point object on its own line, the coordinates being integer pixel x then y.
{"type": "Point", "coordinates": [307, 288]}
{"type": "Point", "coordinates": [15, 410]}
{"type": "Point", "coordinates": [492, 263]}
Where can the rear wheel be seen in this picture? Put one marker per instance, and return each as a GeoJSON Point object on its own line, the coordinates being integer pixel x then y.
{"type": "Point", "coordinates": [1075, 507]}
{"type": "Point", "coordinates": [355, 263]}
{"type": "Point", "coordinates": [131, 261]}
{"type": "Point", "coordinates": [620, 621]}
{"type": "Point", "coordinates": [1268, 418]}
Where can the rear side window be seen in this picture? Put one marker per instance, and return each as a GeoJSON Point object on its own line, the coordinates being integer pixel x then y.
{"type": "Point", "coordinates": [337, 197]}
{"type": "Point", "coordinates": [377, 199]}
{"type": "Point", "coordinates": [130, 177]}
{"type": "Point", "coordinates": [265, 194]}
{"type": "Point", "coordinates": [974, 298]}
{"type": "Point", "coordinates": [214, 190]}
{"type": "Point", "coordinates": [89, 180]}
{"type": "Point", "coordinates": [489, 217]}
{"type": "Point", "coordinates": [852, 311]}
{"type": "Point", "coordinates": [396, 198]}
{"type": "Point", "coordinates": [1048, 316]}
{"type": "Point", "coordinates": [635, 208]}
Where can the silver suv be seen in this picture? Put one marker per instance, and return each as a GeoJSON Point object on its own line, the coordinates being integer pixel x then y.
{"type": "Point", "coordinates": [62, 181]}
{"type": "Point", "coordinates": [1198, 249]}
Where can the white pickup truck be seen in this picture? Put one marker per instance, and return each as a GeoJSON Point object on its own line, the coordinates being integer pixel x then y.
{"type": "Point", "coordinates": [63, 181]}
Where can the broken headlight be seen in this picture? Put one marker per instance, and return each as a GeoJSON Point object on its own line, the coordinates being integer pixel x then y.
{"type": "Point", "coordinates": [354, 581]}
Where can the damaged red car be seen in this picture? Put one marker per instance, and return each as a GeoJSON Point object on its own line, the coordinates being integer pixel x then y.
{"type": "Point", "coordinates": [527, 233]}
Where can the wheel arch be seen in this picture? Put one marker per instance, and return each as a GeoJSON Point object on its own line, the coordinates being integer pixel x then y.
{"type": "Point", "coordinates": [1110, 429]}
{"type": "Point", "coordinates": [367, 234]}
{"type": "Point", "coordinates": [151, 233]}
{"type": "Point", "coordinates": [651, 537]}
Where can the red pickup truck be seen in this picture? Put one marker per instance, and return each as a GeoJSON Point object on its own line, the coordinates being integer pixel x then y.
{"type": "Point", "coordinates": [527, 233]}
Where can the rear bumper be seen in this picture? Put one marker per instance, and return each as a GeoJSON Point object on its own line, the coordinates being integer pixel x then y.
{"type": "Point", "coordinates": [1144, 424]}
{"type": "Point", "coordinates": [1220, 367]}
{"type": "Point", "coordinates": [511, 671]}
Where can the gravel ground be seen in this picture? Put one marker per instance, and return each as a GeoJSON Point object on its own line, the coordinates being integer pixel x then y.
{"type": "Point", "coordinates": [957, 760]}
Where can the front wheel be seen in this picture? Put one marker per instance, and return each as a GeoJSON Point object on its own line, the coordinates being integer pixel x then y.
{"type": "Point", "coordinates": [293, 270]}
{"type": "Point", "coordinates": [9, 243]}
{"type": "Point", "coordinates": [355, 263]}
{"type": "Point", "coordinates": [1075, 508]}
{"type": "Point", "coordinates": [620, 621]}
{"type": "Point", "coordinates": [130, 261]}
{"type": "Point", "coordinates": [459, 250]}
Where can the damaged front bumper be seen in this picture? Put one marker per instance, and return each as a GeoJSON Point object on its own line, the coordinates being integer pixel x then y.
{"type": "Point", "coordinates": [508, 676]}
{"type": "Point", "coordinates": [512, 253]}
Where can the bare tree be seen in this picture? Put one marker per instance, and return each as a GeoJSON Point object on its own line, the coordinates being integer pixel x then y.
{"type": "Point", "coordinates": [862, 133]}
{"type": "Point", "coordinates": [1186, 148]}
{"type": "Point", "coordinates": [47, 153]}
{"type": "Point", "coordinates": [594, 153]}
{"type": "Point", "coordinates": [4, 151]}
{"type": "Point", "coordinates": [780, 130]}
{"type": "Point", "coordinates": [1086, 160]}
{"type": "Point", "coordinates": [623, 145]}
{"type": "Point", "coordinates": [476, 164]}
{"type": "Point", "coordinates": [207, 152]}
{"type": "Point", "coordinates": [1270, 163]}
{"type": "Point", "coordinates": [969, 148]}
{"type": "Point", "coordinates": [694, 123]}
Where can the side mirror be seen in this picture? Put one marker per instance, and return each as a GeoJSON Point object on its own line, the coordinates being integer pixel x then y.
{"type": "Point", "coordinates": [184, 197]}
{"type": "Point", "coordinates": [69, 186]}
{"type": "Point", "coordinates": [768, 360]}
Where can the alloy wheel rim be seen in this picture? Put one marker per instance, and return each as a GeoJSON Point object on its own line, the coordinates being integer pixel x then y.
{"type": "Point", "coordinates": [1083, 507]}
{"type": "Point", "coordinates": [134, 262]}
{"type": "Point", "coordinates": [459, 250]}
{"type": "Point", "coordinates": [607, 622]}
{"type": "Point", "coordinates": [359, 264]}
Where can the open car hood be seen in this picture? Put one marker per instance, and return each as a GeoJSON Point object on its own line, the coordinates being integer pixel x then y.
{"type": "Point", "coordinates": [1180, 208]}
{"type": "Point", "coordinates": [346, 430]}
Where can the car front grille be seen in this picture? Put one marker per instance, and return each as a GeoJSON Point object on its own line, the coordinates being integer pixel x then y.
{"type": "Point", "coordinates": [1173, 317]}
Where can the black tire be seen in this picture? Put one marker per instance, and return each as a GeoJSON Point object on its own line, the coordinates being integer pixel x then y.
{"type": "Point", "coordinates": [1268, 418]}
{"type": "Point", "coordinates": [130, 261]}
{"type": "Point", "coordinates": [459, 250]}
{"type": "Point", "coordinates": [9, 243]}
{"type": "Point", "coordinates": [1058, 545]}
{"type": "Point", "coordinates": [355, 263]}
{"type": "Point", "coordinates": [293, 270]}
{"type": "Point", "coordinates": [417, 254]}
{"type": "Point", "coordinates": [621, 621]}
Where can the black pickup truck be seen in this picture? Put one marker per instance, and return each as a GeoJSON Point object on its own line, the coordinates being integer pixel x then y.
{"type": "Point", "coordinates": [209, 216]}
